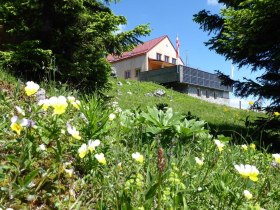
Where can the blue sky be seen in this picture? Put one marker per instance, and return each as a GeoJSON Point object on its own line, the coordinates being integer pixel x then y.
{"type": "Point", "coordinates": [172, 17]}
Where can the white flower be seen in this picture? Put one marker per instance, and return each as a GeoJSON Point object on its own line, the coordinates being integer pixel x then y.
{"type": "Point", "coordinates": [72, 131]}
{"type": "Point", "coordinates": [100, 158]}
{"type": "Point", "coordinates": [92, 144]}
{"type": "Point", "coordinates": [83, 150]}
{"type": "Point", "coordinates": [199, 161]}
{"type": "Point", "coordinates": [219, 144]}
{"type": "Point", "coordinates": [112, 116]}
{"type": "Point", "coordinates": [20, 111]}
{"type": "Point", "coordinates": [247, 194]}
{"type": "Point", "coordinates": [31, 88]}
{"type": "Point", "coordinates": [138, 157]}
{"type": "Point", "coordinates": [42, 147]}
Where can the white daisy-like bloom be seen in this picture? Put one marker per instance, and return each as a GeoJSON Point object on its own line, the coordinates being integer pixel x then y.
{"type": "Point", "coordinates": [92, 144]}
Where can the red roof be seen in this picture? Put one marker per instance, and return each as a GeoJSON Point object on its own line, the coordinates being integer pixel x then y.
{"type": "Point", "coordinates": [139, 50]}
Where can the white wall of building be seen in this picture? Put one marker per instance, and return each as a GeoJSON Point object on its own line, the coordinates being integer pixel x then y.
{"type": "Point", "coordinates": [131, 64]}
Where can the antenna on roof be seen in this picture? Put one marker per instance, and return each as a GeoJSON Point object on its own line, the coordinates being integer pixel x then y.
{"type": "Point", "coordinates": [187, 58]}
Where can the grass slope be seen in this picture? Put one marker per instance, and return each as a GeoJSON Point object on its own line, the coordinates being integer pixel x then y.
{"type": "Point", "coordinates": [220, 118]}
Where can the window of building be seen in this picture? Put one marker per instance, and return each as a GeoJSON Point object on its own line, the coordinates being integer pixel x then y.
{"type": "Point", "coordinates": [159, 56]}
{"type": "Point", "coordinates": [198, 92]}
{"type": "Point", "coordinates": [207, 93]}
{"type": "Point", "coordinates": [166, 59]}
{"type": "Point", "coordinates": [137, 72]}
{"type": "Point", "coordinates": [174, 61]}
{"type": "Point", "coordinates": [127, 74]}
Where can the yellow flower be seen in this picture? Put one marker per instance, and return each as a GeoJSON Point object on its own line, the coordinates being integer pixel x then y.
{"type": "Point", "coordinates": [72, 131]}
{"type": "Point", "coordinates": [219, 144]}
{"type": "Point", "coordinates": [31, 88]}
{"type": "Point", "coordinates": [83, 150]}
{"type": "Point", "coordinates": [248, 171]}
{"type": "Point", "coordinates": [244, 146]}
{"type": "Point", "coordinates": [76, 104]}
{"type": "Point", "coordinates": [247, 194]}
{"type": "Point", "coordinates": [100, 158]}
{"type": "Point", "coordinates": [253, 146]}
{"type": "Point", "coordinates": [251, 103]}
{"type": "Point", "coordinates": [59, 104]}
{"type": "Point", "coordinates": [276, 157]}
{"type": "Point", "coordinates": [17, 128]}
{"type": "Point", "coordinates": [138, 157]}
{"type": "Point", "coordinates": [276, 114]}
{"type": "Point", "coordinates": [45, 103]}
{"type": "Point", "coordinates": [17, 125]}
{"type": "Point", "coordinates": [199, 161]}
{"type": "Point", "coordinates": [93, 144]}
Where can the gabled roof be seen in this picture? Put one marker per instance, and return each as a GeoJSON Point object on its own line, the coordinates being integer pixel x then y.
{"type": "Point", "coordinates": [139, 50]}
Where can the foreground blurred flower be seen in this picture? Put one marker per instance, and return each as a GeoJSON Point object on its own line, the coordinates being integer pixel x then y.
{"type": "Point", "coordinates": [59, 104]}
{"type": "Point", "coordinates": [276, 114]}
{"type": "Point", "coordinates": [71, 98]}
{"type": "Point", "coordinates": [72, 131]}
{"type": "Point", "coordinates": [92, 144]}
{"type": "Point", "coordinates": [83, 150]}
{"type": "Point", "coordinates": [219, 144]}
{"type": "Point", "coordinates": [100, 158]}
{"type": "Point", "coordinates": [251, 103]}
{"type": "Point", "coordinates": [276, 157]}
{"type": "Point", "coordinates": [248, 171]}
{"type": "Point", "coordinates": [17, 124]}
{"type": "Point", "coordinates": [31, 88]}
{"type": "Point", "coordinates": [247, 194]}
{"type": "Point", "coordinates": [138, 157]}
{"type": "Point", "coordinates": [199, 161]}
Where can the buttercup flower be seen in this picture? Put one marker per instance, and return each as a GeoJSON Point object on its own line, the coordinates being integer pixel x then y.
{"type": "Point", "coordinates": [276, 157]}
{"type": "Point", "coordinates": [138, 157]}
{"type": "Point", "coordinates": [100, 158]}
{"type": "Point", "coordinates": [219, 144]}
{"type": "Point", "coordinates": [244, 146]}
{"type": "Point", "coordinates": [247, 194]}
{"type": "Point", "coordinates": [59, 104]}
{"type": "Point", "coordinates": [112, 116]}
{"type": "Point", "coordinates": [248, 171]}
{"type": "Point", "coordinates": [31, 88]}
{"type": "Point", "coordinates": [199, 161]}
{"type": "Point", "coordinates": [83, 150]}
{"type": "Point", "coordinates": [92, 144]}
{"type": "Point", "coordinates": [72, 131]}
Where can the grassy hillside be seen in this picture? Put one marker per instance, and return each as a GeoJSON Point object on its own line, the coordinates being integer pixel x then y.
{"type": "Point", "coordinates": [220, 118]}
{"type": "Point", "coordinates": [81, 154]}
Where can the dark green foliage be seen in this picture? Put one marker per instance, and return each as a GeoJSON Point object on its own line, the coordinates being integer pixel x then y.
{"type": "Point", "coordinates": [247, 32]}
{"type": "Point", "coordinates": [72, 38]}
